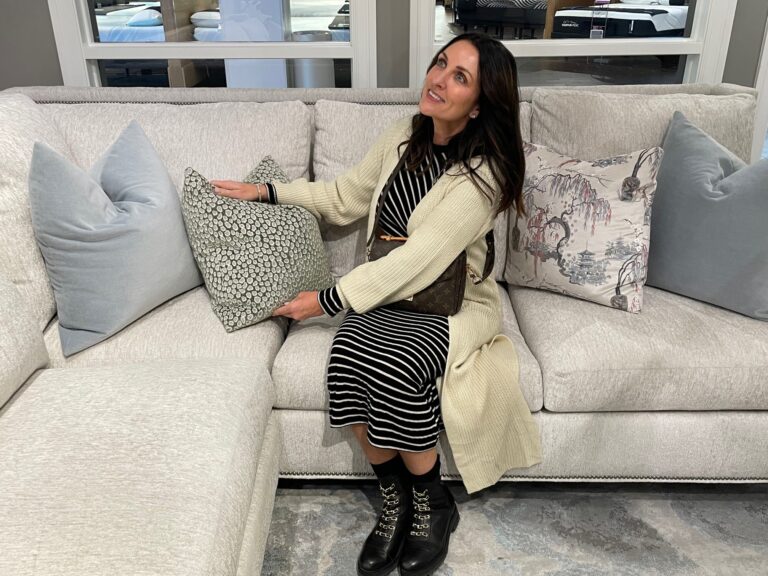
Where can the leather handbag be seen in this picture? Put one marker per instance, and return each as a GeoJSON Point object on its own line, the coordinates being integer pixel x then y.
{"type": "Point", "coordinates": [445, 295]}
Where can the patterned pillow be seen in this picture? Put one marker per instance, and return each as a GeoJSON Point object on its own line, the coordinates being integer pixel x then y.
{"type": "Point", "coordinates": [253, 256]}
{"type": "Point", "coordinates": [587, 226]}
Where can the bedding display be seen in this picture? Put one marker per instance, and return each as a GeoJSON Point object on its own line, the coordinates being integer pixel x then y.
{"type": "Point", "coordinates": [137, 22]}
{"type": "Point", "coordinates": [520, 14]}
{"type": "Point", "coordinates": [627, 19]}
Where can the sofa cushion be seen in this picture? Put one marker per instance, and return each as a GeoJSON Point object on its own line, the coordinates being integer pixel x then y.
{"type": "Point", "coordinates": [702, 189]}
{"type": "Point", "coordinates": [22, 350]}
{"type": "Point", "coordinates": [677, 354]}
{"type": "Point", "coordinates": [140, 469]}
{"type": "Point", "coordinates": [254, 256]}
{"type": "Point", "coordinates": [587, 226]}
{"type": "Point", "coordinates": [592, 125]}
{"type": "Point", "coordinates": [344, 133]}
{"type": "Point", "coordinates": [113, 238]}
{"type": "Point", "coordinates": [221, 140]}
{"type": "Point", "coordinates": [22, 123]}
{"type": "Point", "coordinates": [299, 372]}
{"type": "Point", "coordinates": [184, 328]}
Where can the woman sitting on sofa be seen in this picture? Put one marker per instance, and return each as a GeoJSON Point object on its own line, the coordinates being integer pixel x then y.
{"type": "Point", "coordinates": [398, 378]}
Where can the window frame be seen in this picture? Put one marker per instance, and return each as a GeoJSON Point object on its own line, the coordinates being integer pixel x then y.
{"type": "Point", "coordinates": [79, 54]}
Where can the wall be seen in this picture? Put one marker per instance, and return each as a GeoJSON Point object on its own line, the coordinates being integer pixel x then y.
{"type": "Point", "coordinates": [28, 54]}
{"type": "Point", "coordinates": [746, 42]}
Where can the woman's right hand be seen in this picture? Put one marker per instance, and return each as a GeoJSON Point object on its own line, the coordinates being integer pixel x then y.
{"type": "Point", "coordinates": [240, 190]}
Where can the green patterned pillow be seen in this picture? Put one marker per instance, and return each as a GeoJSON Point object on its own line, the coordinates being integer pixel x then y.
{"type": "Point", "coordinates": [253, 256]}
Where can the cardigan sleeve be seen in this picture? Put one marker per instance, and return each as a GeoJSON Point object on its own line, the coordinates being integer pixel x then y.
{"type": "Point", "coordinates": [348, 198]}
{"type": "Point", "coordinates": [462, 216]}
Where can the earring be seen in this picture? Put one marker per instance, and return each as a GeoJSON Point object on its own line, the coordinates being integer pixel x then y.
{"type": "Point", "coordinates": [473, 115]}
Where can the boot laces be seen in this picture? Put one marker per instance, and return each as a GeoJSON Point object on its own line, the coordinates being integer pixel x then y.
{"type": "Point", "coordinates": [421, 513]}
{"type": "Point", "coordinates": [386, 525]}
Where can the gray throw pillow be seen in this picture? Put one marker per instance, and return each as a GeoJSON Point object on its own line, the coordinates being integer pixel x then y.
{"type": "Point", "coordinates": [113, 238]}
{"type": "Point", "coordinates": [253, 256]}
{"type": "Point", "coordinates": [708, 239]}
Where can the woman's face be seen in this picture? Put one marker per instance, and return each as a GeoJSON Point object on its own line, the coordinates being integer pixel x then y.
{"type": "Point", "coordinates": [452, 88]}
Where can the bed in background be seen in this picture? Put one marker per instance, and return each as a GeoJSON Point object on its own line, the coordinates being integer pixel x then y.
{"type": "Point", "coordinates": [521, 15]}
{"type": "Point", "coordinates": [623, 19]}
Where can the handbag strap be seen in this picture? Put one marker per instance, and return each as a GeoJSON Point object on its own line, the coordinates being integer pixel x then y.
{"type": "Point", "coordinates": [490, 242]}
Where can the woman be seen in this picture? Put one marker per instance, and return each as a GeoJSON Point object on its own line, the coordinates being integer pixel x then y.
{"type": "Point", "coordinates": [464, 165]}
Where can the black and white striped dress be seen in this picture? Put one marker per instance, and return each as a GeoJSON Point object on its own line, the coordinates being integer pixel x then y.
{"type": "Point", "coordinates": [384, 363]}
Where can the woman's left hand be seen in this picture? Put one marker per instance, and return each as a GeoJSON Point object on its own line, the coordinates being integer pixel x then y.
{"type": "Point", "coordinates": [304, 306]}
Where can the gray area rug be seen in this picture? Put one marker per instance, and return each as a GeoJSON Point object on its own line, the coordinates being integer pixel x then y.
{"type": "Point", "coordinates": [530, 528]}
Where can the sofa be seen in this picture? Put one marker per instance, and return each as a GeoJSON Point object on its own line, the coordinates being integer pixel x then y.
{"type": "Point", "coordinates": [158, 450]}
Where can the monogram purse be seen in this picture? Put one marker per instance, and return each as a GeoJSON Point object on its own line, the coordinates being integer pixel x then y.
{"type": "Point", "coordinates": [445, 295]}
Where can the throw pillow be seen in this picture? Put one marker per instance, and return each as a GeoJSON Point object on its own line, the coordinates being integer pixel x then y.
{"type": "Point", "coordinates": [586, 228]}
{"type": "Point", "coordinates": [113, 238]}
{"type": "Point", "coordinates": [253, 256]}
{"type": "Point", "coordinates": [708, 238]}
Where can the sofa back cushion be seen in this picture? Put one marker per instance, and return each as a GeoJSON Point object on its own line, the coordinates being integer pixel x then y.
{"type": "Point", "coordinates": [22, 350]}
{"type": "Point", "coordinates": [22, 123]}
{"type": "Point", "coordinates": [344, 133]}
{"type": "Point", "coordinates": [222, 140]}
{"type": "Point", "coordinates": [591, 125]}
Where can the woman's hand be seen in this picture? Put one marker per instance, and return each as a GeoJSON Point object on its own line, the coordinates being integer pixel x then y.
{"type": "Point", "coordinates": [240, 190]}
{"type": "Point", "coordinates": [304, 306]}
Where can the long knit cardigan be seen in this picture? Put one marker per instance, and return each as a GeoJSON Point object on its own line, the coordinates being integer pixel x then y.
{"type": "Point", "coordinates": [487, 420]}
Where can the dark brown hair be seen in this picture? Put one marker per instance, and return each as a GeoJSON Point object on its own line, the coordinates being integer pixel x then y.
{"type": "Point", "coordinates": [494, 135]}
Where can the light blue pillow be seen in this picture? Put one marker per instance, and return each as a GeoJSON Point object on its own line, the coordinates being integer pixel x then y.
{"type": "Point", "coordinates": [113, 238]}
{"type": "Point", "coordinates": [708, 223]}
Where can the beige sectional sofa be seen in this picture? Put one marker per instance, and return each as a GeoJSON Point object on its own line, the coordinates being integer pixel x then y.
{"type": "Point", "coordinates": [158, 450]}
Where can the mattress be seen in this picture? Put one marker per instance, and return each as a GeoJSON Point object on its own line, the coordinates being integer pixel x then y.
{"type": "Point", "coordinates": [621, 20]}
{"type": "Point", "coordinates": [528, 4]}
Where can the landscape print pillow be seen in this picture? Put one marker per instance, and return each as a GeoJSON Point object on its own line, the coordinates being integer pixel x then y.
{"type": "Point", "coordinates": [587, 226]}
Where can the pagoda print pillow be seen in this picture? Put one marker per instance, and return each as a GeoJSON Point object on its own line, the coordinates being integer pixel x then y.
{"type": "Point", "coordinates": [587, 226]}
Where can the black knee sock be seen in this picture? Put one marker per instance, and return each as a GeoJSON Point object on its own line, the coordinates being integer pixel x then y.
{"type": "Point", "coordinates": [392, 467]}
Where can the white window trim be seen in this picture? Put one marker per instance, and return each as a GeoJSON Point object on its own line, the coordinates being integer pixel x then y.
{"type": "Point", "coordinates": [79, 53]}
{"type": "Point", "coordinates": [711, 30]}
{"type": "Point", "coordinates": [761, 121]}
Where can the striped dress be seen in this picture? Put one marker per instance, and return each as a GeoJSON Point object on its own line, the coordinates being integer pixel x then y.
{"type": "Point", "coordinates": [384, 363]}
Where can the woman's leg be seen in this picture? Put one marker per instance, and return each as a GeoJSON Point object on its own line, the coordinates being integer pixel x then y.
{"type": "Point", "coordinates": [374, 455]}
{"type": "Point", "coordinates": [419, 463]}
{"type": "Point", "coordinates": [383, 546]}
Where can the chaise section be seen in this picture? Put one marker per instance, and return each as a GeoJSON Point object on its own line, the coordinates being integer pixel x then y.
{"type": "Point", "coordinates": [154, 469]}
{"type": "Point", "coordinates": [184, 327]}
{"type": "Point", "coordinates": [678, 354]}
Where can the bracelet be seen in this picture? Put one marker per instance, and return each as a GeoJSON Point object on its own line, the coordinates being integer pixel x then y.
{"type": "Point", "coordinates": [261, 196]}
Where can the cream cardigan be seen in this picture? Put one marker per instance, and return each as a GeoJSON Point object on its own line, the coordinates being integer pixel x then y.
{"type": "Point", "coordinates": [488, 423]}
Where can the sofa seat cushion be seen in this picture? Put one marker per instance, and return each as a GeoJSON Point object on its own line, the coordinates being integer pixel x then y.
{"type": "Point", "coordinates": [677, 354]}
{"type": "Point", "coordinates": [299, 372]}
{"type": "Point", "coordinates": [184, 327]}
{"type": "Point", "coordinates": [141, 469]}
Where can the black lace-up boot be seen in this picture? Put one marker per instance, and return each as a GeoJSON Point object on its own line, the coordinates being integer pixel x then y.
{"type": "Point", "coordinates": [384, 544]}
{"type": "Point", "coordinates": [435, 517]}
